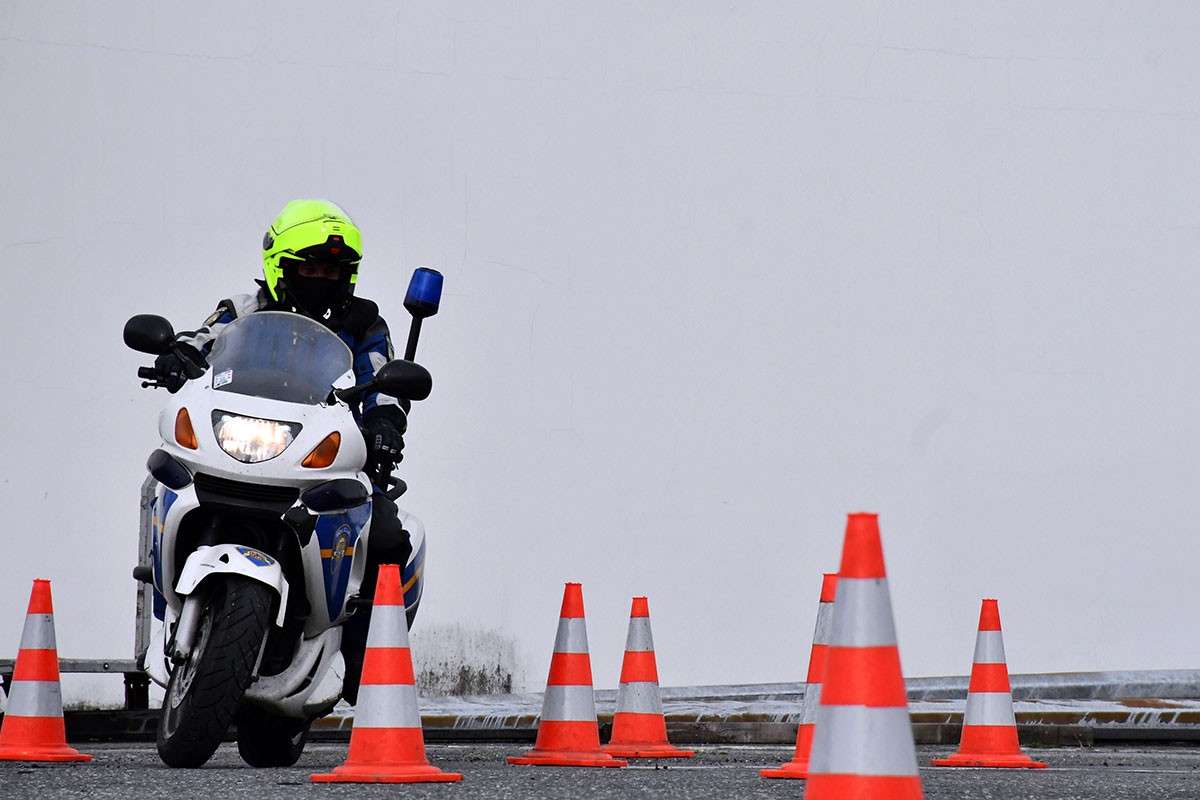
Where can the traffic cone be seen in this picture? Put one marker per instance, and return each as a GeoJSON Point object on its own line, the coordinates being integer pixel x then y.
{"type": "Point", "coordinates": [989, 734]}
{"type": "Point", "coordinates": [798, 766]}
{"type": "Point", "coordinates": [639, 726]}
{"type": "Point", "coordinates": [568, 734]}
{"type": "Point", "coordinates": [33, 728]}
{"type": "Point", "coordinates": [863, 743]}
{"type": "Point", "coordinates": [386, 743]}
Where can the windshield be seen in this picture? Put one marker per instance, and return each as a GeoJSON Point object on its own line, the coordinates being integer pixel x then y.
{"type": "Point", "coordinates": [278, 355]}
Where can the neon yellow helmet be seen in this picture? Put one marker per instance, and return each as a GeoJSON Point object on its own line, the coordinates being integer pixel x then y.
{"type": "Point", "coordinates": [312, 231]}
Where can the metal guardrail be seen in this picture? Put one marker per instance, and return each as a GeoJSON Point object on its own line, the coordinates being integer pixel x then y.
{"type": "Point", "coordinates": [137, 682]}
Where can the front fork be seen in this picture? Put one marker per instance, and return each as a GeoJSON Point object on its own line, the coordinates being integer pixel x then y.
{"type": "Point", "coordinates": [180, 646]}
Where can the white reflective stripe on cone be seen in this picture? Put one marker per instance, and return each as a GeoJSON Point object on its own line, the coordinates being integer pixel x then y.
{"type": "Point", "coordinates": [38, 633]}
{"type": "Point", "coordinates": [639, 697]}
{"type": "Point", "coordinates": [639, 640]}
{"type": "Point", "coordinates": [989, 708]}
{"type": "Point", "coordinates": [387, 705]}
{"type": "Point", "coordinates": [571, 636]}
{"type": "Point", "coordinates": [857, 740]}
{"type": "Point", "coordinates": [812, 701]}
{"type": "Point", "coordinates": [989, 648]}
{"type": "Point", "coordinates": [569, 704]}
{"type": "Point", "coordinates": [865, 609]}
{"type": "Point", "coordinates": [388, 628]}
{"type": "Point", "coordinates": [824, 624]}
{"type": "Point", "coordinates": [35, 699]}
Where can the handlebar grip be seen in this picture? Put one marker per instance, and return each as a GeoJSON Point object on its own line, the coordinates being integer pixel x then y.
{"type": "Point", "coordinates": [147, 373]}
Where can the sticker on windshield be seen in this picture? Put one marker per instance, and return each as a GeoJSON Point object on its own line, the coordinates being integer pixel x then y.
{"type": "Point", "coordinates": [222, 379]}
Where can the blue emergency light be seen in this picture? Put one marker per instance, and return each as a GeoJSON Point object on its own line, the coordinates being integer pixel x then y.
{"type": "Point", "coordinates": [424, 292]}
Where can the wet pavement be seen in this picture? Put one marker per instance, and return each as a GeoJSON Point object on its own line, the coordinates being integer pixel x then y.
{"type": "Point", "coordinates": [725, 771]}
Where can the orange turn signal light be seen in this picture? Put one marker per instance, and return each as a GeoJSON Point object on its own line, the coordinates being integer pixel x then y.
{"type": "Point", "coordinates": [184, 433]}
{"type": "Point", "coordinates": [323, 454]}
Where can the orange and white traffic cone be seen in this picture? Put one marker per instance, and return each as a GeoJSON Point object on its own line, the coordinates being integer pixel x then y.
{"type": "Point", "coordinates": [568, 734]}
{"type": "Point", "coordinates": [989, 734]}
{"type": "Point", "coordinates": [863, 743]}
{"type": "Point", "coordinates": [798, 766]}
{"type": "Point", "coordinates": [639, 726]}
{"type": "Point", "coordinates": [33, 728]}
{"type": "Point", "coordinates": [386, 742]}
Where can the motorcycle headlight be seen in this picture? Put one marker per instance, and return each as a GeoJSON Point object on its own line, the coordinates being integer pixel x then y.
{"type": "Point", "coordinates": [250, 439]}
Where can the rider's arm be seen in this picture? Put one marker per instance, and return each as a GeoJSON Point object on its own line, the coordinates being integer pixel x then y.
{"type": "Point", "coordinates": [226, 312]}
{"type": "Point", "coordinates": [379, 412]}
{"type": "Point", "coordinates": [189, 357]}
{"type": "Point", "coordinates": [372, 353]}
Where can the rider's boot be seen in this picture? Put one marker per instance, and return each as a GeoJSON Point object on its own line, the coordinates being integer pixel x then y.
{"type": "Point", "coordinates": [389, 544]}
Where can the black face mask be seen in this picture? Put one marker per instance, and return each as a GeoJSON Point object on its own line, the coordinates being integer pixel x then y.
{"type": "Point", "coordinates": [318, 298]}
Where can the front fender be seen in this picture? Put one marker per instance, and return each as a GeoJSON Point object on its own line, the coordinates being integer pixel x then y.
{"type": "Point", "coordinates": [234, 559]}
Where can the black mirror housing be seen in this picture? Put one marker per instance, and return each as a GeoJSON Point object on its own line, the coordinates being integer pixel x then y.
{"type": "Point", "coordinates": [405, 380]}
{"type": "Point", "coordinates": [149, 333]}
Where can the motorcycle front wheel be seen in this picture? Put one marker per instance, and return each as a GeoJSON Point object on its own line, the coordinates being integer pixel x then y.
{"type": "Point", "coordinates": [204, 692]}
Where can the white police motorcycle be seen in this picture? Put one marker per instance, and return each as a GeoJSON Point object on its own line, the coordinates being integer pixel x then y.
{"type": "Point", "coordinates": [261, 528]}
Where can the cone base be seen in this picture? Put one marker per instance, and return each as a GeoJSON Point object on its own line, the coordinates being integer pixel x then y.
{"type": "Point", "coordinates": [990, 760]}
{"type": "Point", "coordinates": [61, 754]}
{"type": "Point", "coordinates": [793, 769]}
{"type": "Point", "coordinates": [843, 787]}
{"type": "Point", "coordinates": [566, 758]}
{"type": "Point", "coordinates": [646, 750]}
{"type": "Point", "coordinates": [406, 773]}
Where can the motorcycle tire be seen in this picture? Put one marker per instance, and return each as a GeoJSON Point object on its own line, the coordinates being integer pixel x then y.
{"type": "Point", "coordinates": [203, 693]}
{"type": "Point", "coordinates": [268, 740]}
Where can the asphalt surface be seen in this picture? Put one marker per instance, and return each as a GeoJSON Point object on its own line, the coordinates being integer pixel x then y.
{"type": "Point", "coordinates": [127, 771]}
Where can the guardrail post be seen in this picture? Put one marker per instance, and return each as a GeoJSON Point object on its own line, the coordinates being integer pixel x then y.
{"type": "Point", "coordinates": [145, 592]}
{"type": "Point", "coordinates": [137, 684]}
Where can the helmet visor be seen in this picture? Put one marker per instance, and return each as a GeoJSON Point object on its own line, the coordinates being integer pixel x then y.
{"type": "Point", "coordinates": [333, 250]}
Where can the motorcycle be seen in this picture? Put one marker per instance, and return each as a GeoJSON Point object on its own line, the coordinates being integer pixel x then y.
{"type": "Point", "coordinates": [261, 527]}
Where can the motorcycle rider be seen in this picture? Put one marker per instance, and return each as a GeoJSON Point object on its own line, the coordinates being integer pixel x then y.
{"type": "Point", "coordinates": [311, 254]}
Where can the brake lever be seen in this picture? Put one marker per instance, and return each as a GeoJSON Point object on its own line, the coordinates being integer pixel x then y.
{"type": "Point", "coordinates": [380, 472]}
{"type": "Point", "coordinates": [151, 379]}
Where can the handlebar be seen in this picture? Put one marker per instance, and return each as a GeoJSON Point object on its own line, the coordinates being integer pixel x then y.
{"type": "Point", "coordinates": [150, 378]}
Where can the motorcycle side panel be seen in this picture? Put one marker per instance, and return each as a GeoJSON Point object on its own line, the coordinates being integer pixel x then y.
{"type": "Point", "coordinates": [157, 666]}
{"type": "Point", "coordinates": [293, 693]}
{"type": "Point", "coordinates": [412, 576]}
{"type": "Point", "coordinates": [338, 534]}
{"type": "Point", "coordinates": [161, 508]}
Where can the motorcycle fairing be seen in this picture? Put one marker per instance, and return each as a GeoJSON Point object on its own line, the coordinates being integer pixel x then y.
{"type": "Point", "coordinates": [338, 534]}
{"type": "Point", "coordinates": [167, 498]}
{"type": "Point", "coordinates": [412, 577]}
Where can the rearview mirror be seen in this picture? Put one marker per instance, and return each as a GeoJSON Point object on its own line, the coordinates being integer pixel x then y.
{"type": "Point", "coordinates": [149, 333]}
{"type": "Point", "coordinates": [405, 380]}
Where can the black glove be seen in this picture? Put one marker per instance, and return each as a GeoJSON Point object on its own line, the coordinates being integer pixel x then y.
{"type": "Point", "coordinates": [384, 440]}
{"type": "Point", "coordinates": [174, 369]}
